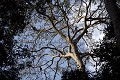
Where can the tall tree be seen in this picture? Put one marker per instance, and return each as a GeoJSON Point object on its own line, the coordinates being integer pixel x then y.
{"type": "Point", "coordinates": [108, 53]}
{"type": "Point", "coordinates": [56, 36]}
{"type": "Point", "coordinates": [62, 27]}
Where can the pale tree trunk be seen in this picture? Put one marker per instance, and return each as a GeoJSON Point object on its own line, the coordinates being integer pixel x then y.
{"type": "Point", "coordinates": [81, 67]}
{"type": "Point", "coordinates": [79, 62]}
{"type": "Point", "coordinates": [114, 14]}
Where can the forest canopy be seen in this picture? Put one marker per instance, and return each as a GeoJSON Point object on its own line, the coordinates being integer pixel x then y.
{"type": "Point", "coordinates": [42, 39]}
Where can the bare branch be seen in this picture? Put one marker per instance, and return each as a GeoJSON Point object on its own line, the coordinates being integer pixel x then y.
{"type": "Point", "coordinates": [84, 31]}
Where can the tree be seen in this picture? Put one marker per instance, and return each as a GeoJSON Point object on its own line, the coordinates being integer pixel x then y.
{"type": "Point", "coordinates": [55, 37]}
{"type": "Point", "coordinates": [62, 27]}
{"type": "Point", "coordinates": [108, 53]}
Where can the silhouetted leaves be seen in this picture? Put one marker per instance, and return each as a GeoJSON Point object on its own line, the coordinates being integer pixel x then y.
{"type": "Point", "coordinates": [13, 19]}
{"type": "Point", "coordinates": [71, 75]}
{"type": "Point", "coordinates": [109, 53]}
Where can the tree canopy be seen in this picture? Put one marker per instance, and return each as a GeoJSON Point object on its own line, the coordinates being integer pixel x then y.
{"type": "Point", "coordinates": [42, 38]}
{"type": "Point", "coordinates": [108, 53]}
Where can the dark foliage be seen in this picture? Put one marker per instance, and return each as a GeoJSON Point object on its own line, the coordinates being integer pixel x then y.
{"type": "Point", "coordinates": [71, 75]}
{"type": "Point", "coordinates": [110, 54]}
{"type": "Point", "coordinates": [14, 16]}
{"type": "Point", "coordinates": [13, 20]}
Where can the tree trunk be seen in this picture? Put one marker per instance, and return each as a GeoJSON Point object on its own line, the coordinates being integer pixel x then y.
{"type": "Point", "coordinates": [114, 14]}
{"type": "Point", "coordinates": [79, 62]}
{"type": "Point", "coordinates": [81, 67]}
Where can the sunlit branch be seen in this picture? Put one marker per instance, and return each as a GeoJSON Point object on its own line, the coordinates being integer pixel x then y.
{"type": "Point", "coordinates": [48, 48]}
{"type": "Point", "coordinates": [66, 21]}
{"type": "Point", "coordinates": [76, 33]}
{"type": "Point", "coordinates": [84, 31]}
{"type": "Point", "coordinates": [52, 22]}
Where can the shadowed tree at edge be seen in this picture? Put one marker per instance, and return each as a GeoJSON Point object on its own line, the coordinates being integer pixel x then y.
{"type": "Point", "coordinates": [12, 21]}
